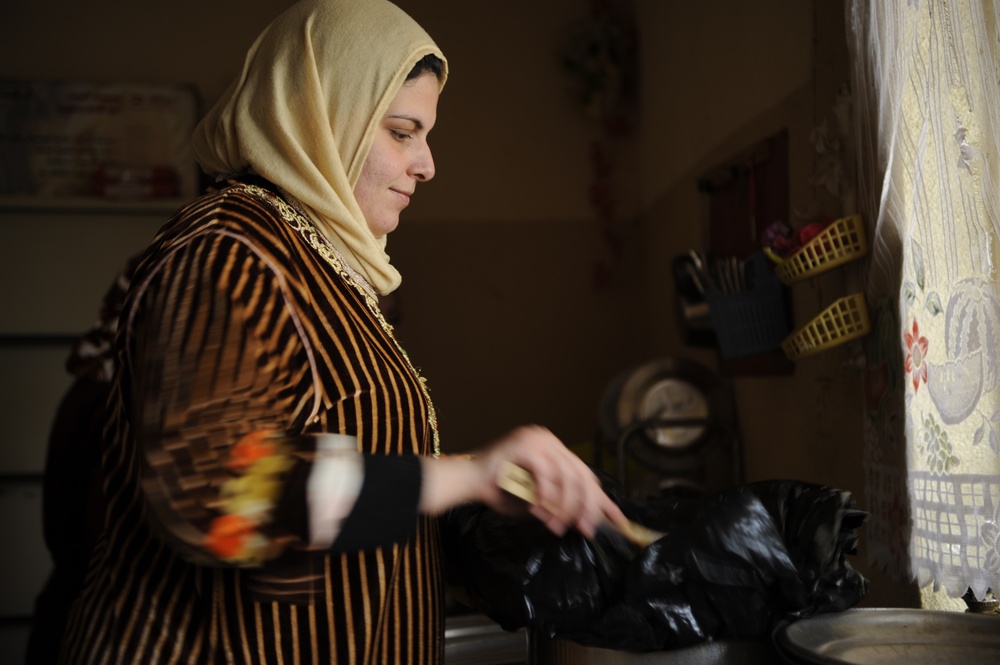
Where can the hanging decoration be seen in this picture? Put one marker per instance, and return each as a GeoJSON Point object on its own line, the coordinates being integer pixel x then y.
{"type": "Point", "coordinates": [600, 57]}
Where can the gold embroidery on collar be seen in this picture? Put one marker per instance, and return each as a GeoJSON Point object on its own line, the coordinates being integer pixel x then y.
{"type": "Point", "coordinates": [301, 224]}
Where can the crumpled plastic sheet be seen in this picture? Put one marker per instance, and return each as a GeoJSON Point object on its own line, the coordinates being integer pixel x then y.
{"type": "Point", "coordinates": [733, 565]}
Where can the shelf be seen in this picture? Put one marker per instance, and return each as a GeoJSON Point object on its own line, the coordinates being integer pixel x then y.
{"type": "Point", "coordinates": [8, 340]}
{"type": "Point", "coordinates": [89, 205]}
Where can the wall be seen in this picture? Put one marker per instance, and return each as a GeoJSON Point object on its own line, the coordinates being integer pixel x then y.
{"type": "Point", "coordinates": [501, 305]}
{"type": "Point", "coordinates": [708, 69]}
{"type": "Point", "coordinates": [781, 66]}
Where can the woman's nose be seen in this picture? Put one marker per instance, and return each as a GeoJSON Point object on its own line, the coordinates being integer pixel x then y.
{"type": "Point", "coordinates": [423, 165]}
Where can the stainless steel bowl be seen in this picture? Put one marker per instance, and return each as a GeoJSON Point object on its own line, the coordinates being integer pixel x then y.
{"type": "Point", "coordinates": [892, 636]}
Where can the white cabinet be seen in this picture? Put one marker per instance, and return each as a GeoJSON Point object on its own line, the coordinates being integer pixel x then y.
{"type": "Point", "coordinates": [57, 260]}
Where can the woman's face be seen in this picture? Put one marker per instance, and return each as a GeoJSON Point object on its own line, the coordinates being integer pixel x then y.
{"type": "Point", "coordinates": [399, 157]}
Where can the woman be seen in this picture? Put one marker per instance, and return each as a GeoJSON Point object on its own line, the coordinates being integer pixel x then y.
{"type": "Point", "coordinates": [272, 464]}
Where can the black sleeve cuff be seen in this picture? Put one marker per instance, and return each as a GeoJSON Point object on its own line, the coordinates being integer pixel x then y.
{"type": "Point", "coordinates": [385, 512]}
{"type": "Point", "coordinates": [292, 512]}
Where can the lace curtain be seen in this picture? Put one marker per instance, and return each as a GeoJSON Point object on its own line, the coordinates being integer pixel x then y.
{"type": "Point", "coordinates": [927, 106]}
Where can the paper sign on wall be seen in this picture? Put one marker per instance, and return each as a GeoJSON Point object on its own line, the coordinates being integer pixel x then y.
{"type": "Point", "coordinates": [106, 141]}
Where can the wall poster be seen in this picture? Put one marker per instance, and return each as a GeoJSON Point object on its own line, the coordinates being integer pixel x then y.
{"type": "Point", "coordinates": [104, 141]}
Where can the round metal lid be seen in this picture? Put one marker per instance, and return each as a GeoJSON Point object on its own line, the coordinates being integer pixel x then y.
{"type": "Point", "coordinates": [661, 390]}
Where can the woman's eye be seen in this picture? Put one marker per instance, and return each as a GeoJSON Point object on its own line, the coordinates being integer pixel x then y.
{"type": "Point", "coordinates": [399, 136]}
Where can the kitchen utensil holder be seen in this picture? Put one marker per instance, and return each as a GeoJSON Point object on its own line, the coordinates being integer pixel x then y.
{"type": "Point", "coordinates": [750, 322]}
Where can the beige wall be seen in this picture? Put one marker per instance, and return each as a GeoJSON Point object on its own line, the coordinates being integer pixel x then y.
{"type": "Point", "coordinates": [777, 65]}
{"type": "Point", "coordinates": [709, 68]}
{"type": "Point", "coordinates": [499, 303]}
{"type": "Point", "coordinates": [505, 123]}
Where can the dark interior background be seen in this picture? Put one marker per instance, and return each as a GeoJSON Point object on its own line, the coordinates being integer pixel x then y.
{"type": "Point", "coordinates": [521, 299]}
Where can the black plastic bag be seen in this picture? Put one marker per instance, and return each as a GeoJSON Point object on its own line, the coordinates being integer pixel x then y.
{"type": "Point", "coordinates": [732, 565]}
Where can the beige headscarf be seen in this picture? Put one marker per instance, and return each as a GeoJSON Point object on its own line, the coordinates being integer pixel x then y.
{"type": "Point", "coordinates": [304, 111]}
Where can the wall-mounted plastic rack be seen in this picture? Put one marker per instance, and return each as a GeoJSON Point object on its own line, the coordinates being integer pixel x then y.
{"type": "Point", "coordinates": [844, 320]}
{"type": "Point", "coordinates": [842, 241]}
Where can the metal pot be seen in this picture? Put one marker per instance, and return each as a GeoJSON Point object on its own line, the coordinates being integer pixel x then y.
{"type": "Point", "coordinates": [475, 639]}
{"type": "Point", "coordinates": [546, 651]}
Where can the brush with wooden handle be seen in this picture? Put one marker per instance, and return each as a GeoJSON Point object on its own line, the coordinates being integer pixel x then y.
{"type": "Point", "coordinates": [518, 481]}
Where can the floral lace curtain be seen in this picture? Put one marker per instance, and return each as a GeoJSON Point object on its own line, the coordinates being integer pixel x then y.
{"type": "Point", "coordinates": [927, 105]}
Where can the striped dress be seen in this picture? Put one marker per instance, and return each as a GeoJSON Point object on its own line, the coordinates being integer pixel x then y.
{"type": "Point", "coordinates": [241, 319]}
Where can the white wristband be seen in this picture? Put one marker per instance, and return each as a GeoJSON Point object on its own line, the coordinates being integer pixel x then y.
{"type": "Point", "coordinates": [333, 486]}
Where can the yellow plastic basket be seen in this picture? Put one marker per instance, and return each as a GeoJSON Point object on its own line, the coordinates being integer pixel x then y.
{"type": "Point", "coordinates": [844, 320]}
{"type": "Point", "coordinates": [842, 241]}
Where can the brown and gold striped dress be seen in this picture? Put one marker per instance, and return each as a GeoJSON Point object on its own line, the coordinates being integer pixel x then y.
{"type": "Point", "coordinates": [241, 318]}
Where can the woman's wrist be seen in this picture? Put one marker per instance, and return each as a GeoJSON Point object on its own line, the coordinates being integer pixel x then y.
{"type": "Point", "coordinates": [448, 481]}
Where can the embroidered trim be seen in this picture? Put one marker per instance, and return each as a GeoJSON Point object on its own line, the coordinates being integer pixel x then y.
{"type": "Point", "coordinates": [299, 221]}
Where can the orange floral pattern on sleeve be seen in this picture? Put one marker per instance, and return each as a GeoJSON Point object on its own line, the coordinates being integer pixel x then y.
{"type": "Point", "coordinates": [249, 449]}
{"type": "Point", "coordinates": [229, 536]}
{"type": "Point", "coordinates": [247, 499]}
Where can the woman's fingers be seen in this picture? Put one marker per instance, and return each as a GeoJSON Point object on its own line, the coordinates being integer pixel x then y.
{"type": "Point", "coordinates": [566, 493]}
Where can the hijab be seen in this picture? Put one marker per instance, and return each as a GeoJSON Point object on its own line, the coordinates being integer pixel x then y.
{"type": "Point", "coordinates": [303, 113]}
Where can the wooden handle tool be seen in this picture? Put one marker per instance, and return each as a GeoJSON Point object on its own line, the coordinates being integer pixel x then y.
{"type": "Point", "coordinates": [518, 481]}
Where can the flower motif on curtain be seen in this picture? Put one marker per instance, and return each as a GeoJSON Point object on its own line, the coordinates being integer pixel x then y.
{"type": "Point", "coordinates": [937, 448]}
{"type": "Point", "coordinates": [916, 351]}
